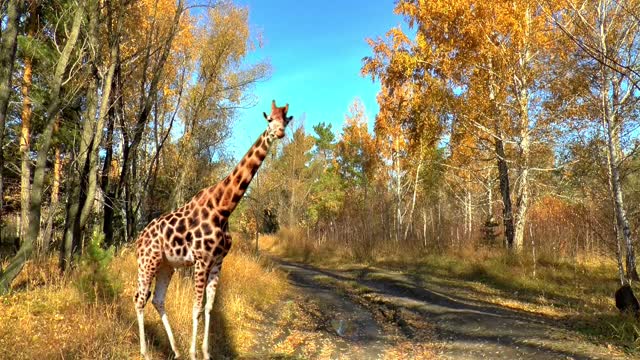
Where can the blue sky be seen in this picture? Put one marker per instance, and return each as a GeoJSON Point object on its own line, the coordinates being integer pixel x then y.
{"type": "Point", "coordinates": [315, 49]}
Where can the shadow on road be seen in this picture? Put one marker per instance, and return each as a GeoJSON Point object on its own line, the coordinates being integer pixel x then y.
{"type": "Point", "coordinates": [467, 329]}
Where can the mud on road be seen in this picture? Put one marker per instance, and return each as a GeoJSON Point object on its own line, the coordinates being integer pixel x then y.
{"type": "Point", "coordinates": [371, 313]}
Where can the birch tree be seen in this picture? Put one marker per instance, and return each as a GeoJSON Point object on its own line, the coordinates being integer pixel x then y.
{"type": "Point", "coordinates": [606, 32]}
{"type": "Point", "coordinates": [477, 61]}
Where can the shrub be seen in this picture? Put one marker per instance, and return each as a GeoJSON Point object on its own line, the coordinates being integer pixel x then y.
{"type": "Point", "coordinates": [95, 282]}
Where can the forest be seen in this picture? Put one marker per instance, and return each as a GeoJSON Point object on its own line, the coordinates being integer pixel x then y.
{"type": "Point", "coordinates": [504, 161]}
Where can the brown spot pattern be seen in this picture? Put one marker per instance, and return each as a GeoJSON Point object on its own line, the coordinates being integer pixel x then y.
{"type": "Point", "coordinates": [197, 233]}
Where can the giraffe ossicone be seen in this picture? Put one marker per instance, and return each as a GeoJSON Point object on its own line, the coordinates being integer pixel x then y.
{"type": "Point", "coordinates": [197, 234]}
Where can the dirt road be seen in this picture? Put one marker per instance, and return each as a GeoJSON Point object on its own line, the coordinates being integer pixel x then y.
{"type": "Point", "coordinates": [369, 313]}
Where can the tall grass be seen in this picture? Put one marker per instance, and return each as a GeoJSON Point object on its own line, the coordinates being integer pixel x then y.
{"type": "Point", "coordinates": [47, 316]}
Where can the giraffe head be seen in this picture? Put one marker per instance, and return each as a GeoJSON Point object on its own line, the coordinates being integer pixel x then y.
{"type": "Point", "coordinates": [278, 120]}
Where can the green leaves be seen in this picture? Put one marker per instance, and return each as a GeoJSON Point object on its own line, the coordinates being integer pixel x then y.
{"type": "Point", "coordinates": [96, 281]}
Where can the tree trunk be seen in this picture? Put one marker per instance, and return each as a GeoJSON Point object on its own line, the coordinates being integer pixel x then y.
{"type": "Point", "coordinates": [523, 196]}
{"type": "Point", "coordinates": [79, 176]}
{"type": "Point", "coordinates": [490, 194]}
{"type": "Point", "coordinates": [469, 205]}
{"type": "Point", "coordinates": [503, 167]}
{"type": "Point", "coordinates": [398, 190]}
{"type": "Point", "coordinates": [83, 196]}
{"type": "Point", "coordinates": [147, 93]}
{"type": "Point", "coordinates": [521, 81]}
{"type": "Point", "coordinates": [108, 188]}
{"type": "Point", "coordinates": [621, 214]}
{"type": "Point", "coordinates": [147, 96]}
{"type": "Point", "coordinates": [25, 130]}
{"type": "Point", "coordinates": [7, 59]}
{"type": "Point", "coordinates": [612, 127]}
{"type": "Point", "coordinates": [47, 237]}
{"type": "Point", "coordinates": [129, 213]}
{"type": "Point", "coordinates": [424, 225]}
{"type": "Point", "coordinates": [507, 210]}
{"type": "Point", "coordinates": [523, 202]}
{"type": "Point", "coordinates": [107, 224]}
{"type": "Point", "coordinates": [621, 272]}
{"type": "Point", "coordinates": [102, 114]}
{"type": "Point", "coordinates": [177, 194]}
{"type": "Point", "coordinates": [413, 199]}
{"type": "Point", "coordinates": [46, 138]}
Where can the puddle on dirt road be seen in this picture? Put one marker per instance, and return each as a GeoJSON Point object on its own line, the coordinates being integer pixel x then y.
{"type": "Point", "coordinates": [349, 326]}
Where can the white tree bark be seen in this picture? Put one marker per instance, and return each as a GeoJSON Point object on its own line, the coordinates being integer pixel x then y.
{"type": "Point", "coordinates": [521, 82]}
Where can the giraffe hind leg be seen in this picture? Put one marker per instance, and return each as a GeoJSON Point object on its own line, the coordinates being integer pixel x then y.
{"type": "Point", "coordinates": [148, 265]}
{"type": "Point", "coordinates": [212, 285]}
{"type": "Point", "coordinates": [201, 273]}
{"type": "Point", "coordinates": [163, 278]}
{"type": "Point", "coordinates": [142, 295]}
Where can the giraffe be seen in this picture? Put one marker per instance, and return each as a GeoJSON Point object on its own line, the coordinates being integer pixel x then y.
{"type": "Point", "coordinates": [197, 234]}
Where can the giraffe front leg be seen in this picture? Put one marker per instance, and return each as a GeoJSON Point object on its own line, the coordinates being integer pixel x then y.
{"type": "Point", "coordinates": [163, 278]}
{"type": "Point", "coordinates": [212, 285]}
{"type": "Point", "coordinates": [200, 275]}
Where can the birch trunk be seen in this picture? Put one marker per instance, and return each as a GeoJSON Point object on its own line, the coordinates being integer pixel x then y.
{"type": "Point", "coordinates": [610, 104]}
{"type": "Point", "coordinates": [413, 200]}
{"type": "Point", "coordinates": [624, 229]}
{"type": "Point", "coordinates": [398, 192]}
{"type": "Point", "coordinates": [521, 80]}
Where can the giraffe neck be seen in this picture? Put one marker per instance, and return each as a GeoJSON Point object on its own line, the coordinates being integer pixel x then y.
{"type": "Point", "coordinates": [235, 185]}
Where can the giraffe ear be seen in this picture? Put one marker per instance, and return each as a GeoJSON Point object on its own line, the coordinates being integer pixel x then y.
{"type": "Point", "coordinates": [289, 119]}
{"type": "Point", "coordinates": [265, 115]}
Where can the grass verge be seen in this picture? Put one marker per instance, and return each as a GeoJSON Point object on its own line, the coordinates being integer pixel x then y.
{"type": "Point", "coordinates": [46, 316]}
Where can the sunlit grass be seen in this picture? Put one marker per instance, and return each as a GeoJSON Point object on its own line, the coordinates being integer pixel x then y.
{"type": "Point", "coordinates": [46, 317]}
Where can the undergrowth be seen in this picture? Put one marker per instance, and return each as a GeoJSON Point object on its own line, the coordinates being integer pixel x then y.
{"type": "Point", "coordinates": [89, 313]}
{"type": "Point", "coordinates": [95, 281]}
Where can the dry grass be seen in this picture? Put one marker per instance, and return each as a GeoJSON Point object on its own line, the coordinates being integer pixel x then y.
{"type": "Point", "coordinates": [46, 317]}
{"type": "Point", "coordinates": [577, 291]}
{"type": "Point", "coordinates": [295, 245]}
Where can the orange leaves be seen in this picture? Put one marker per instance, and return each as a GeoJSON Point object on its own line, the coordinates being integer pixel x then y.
{"type": "Point", "coordinates": [389, 123]}
{"type": "Point", "coordinates": [551, 210]}
{"type": "Point", "coordinates": [151, 20]}
{"type": "Point", "coordinates": [400, 39]}
{"type": "Point", "coordinates": [355, 128]}
{"type": "Point", "coordinates": [357, 149]}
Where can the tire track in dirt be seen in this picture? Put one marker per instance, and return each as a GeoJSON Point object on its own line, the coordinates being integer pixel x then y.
{"type": "Point", "coordinates": [404, 313]}
{"type": "Point", "coordinates": [325, 321]}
